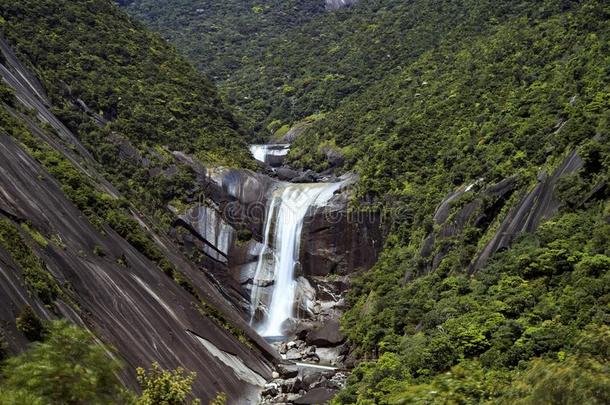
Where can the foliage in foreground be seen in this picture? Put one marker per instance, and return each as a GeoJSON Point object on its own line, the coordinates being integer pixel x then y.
{"type": "Point", "coordinates": [164, 387]}
{"type": "Point", "coordinates": [71, 366]}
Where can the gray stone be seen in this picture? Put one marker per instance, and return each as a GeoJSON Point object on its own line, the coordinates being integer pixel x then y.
{"type": "Point", "coordinates": [305, 298]}
{"type": "Point", "coordinates": [293, 354]}
{"type": "Point", "coordinates": [291, 385]}
{"type": "Point", "coordinates": [326, 336]}
{"type": "Point", "coordinates": [287, 370]}
{"type": "Point", "coordinates": [286, 174]}
{"type": "Point", "coordinates": [308, 177]}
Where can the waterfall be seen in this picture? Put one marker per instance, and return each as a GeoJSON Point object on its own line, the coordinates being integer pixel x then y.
{"type": "Point", "coordinates": [276, 265]}
{"type": "Point", "coordinates": [266, 153]}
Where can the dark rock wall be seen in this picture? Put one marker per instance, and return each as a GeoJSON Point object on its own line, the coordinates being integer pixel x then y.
{"type": "Point", "coordinates": [136, 307]}
{"type": "Point", "coordinates": [333, 240]}
{"type": "Point", "coordinates": [336, 241]}
{"type": "Point", "coordinates": [534, 207]}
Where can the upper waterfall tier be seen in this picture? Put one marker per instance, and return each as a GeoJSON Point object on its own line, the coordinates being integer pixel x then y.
{"type": "Point", "coordinates": [272, 154]}
{"type": "Point", "coordinates": [283, 223]}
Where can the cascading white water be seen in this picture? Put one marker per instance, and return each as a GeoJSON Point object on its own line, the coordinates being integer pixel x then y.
{"type": "Point", "coordinates": [283, 223]}
{"type": "Point", "coordinates": [261, 152]}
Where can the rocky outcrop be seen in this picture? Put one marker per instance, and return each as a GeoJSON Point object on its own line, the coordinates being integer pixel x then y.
{"type": "Point", "coordinates": [476, 207]}
{"type": "Point", "coordinates": [234, 204]}
{"type": "Point", "coordinates": [295, 132]}
{"type": "Point", "coordinates": [136, 308]}
{"type": "Point", "coordinates": [537, 205]}
{"type": "Point", "coordinates": [329, 334]}
{"type": "Point", "coordinates": [452, 217]}
{"type": "Point", "coordinates": [308, 386]}
{"type": "Point", "coordinates": [318, 395]}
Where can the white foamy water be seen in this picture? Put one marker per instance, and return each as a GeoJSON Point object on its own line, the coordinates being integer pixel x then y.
{"type": "Point", "coordinates": [260, 152]}
{"type": "Point", "coordinates": [283, 225]}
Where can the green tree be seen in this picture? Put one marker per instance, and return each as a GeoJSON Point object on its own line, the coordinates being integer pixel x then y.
{"type": "Point", "coordinates": [163, 387]}
{"type": "Point", "coordinates": [575, 380]}
{"type": "Point", "coordinates": [69, 367]}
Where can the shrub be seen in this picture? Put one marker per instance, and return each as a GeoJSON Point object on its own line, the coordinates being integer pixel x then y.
{"type": "Point", "coordinates": [164, 387]}
{"type": "Point", "coordinates": [30, 324]}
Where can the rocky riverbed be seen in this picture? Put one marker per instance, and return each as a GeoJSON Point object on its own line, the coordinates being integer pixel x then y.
{"type": "Point", "coordinates": [310, 375]}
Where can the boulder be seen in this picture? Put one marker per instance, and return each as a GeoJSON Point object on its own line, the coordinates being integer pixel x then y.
{"type": "Point", "coordinates": [334, 157]}
{"type": "Point", "coordinates": [327, 336]}
{"type": "Point", "coordinates": [311, 358]}
{"type": "Point", "coordinates": [270, 390]}
{"type": "Point", "coordinates": [309, 350]}
{"type": "Point", "coordinates": [287, 370]}
{"type": "Point", "coordinates": [283, 348]}
{"type": "Point", "coordinates": [296, 131]}
{"type": "Point", "coordinates": [311, 376]}
{"type": "Point", "coordinates": [308, 177]}
{"type": "Point", "coordinates": [293, 354]}
{"type": "Point", "coordinates": [316, 396]}
{"type": "Point", "coordinates": [286, 174]}
{"type": "Point", "coordinates": [305, 298]}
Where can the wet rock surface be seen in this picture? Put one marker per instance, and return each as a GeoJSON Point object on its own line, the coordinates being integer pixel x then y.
{"type": "Point", "coordinates": [328, 335]}
{"type": "Point", "coordinates": [338, 241]}
{"type": "Point", "coordinates": [315, 359]}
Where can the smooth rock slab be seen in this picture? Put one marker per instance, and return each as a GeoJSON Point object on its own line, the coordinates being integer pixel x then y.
{"type": "Point", "coordinates": [328, 335]}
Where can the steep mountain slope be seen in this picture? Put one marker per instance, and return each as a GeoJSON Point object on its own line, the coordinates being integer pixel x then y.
{"type": "Point", "coordinates": [91, 105]}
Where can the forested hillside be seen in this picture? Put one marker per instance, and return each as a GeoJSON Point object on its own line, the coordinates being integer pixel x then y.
{"type": "Point", "coordinates": [221, 37]}
{"type": "Point", "coordinates": [95, 61]}
{"type": "Point", "coordinates": [479, 131]}
{"type": "Point", "coordinates": [458, 116]}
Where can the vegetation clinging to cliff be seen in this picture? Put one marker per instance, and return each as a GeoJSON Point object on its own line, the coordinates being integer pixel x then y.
{"type": "Point", "coordinates": [90, 51]}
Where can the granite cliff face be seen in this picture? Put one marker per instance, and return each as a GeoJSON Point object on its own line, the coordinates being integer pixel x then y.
{"type": "Point", "coordinates": [106, 284]}
{"type": "Point", "coordinates": [477, 206]}
{"type": "Point", "coordinates": [339, 241]}
{"type": "Point", "coordinates": [227, 229]}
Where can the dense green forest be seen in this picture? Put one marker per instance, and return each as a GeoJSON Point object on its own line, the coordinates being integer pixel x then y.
{"type": "Point", "coordinates": [93, 52]}
{"type": "Point", "coordinates": [235, 42]}
{"type": "Point", "coordinates": [221, 37]}
{"type": "Point", "coordinates": [150, 102]}
{"type": "Point", "coordinates": [421, 98]}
